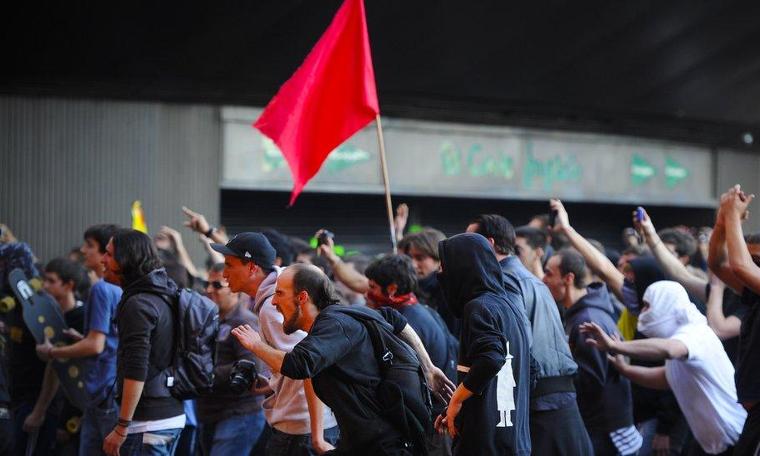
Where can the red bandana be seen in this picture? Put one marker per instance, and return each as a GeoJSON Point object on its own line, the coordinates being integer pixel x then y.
{"type": "Point", "coordinates": [395, 302]}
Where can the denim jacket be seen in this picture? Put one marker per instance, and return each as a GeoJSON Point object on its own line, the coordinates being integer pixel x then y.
{"type": "Point", "coordinates": [550, 349]}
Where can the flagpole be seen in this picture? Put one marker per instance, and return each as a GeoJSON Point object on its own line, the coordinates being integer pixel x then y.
{"type": "Point", "coordinates": [386, 183]}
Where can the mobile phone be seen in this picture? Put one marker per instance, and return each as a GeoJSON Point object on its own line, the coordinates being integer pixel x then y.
{"type": "Point", "coordinates": [552, 216]}
{"type": "Point", "coordinates": [639, 214]}
{"type": "Point", "coordinates": [324, 236]}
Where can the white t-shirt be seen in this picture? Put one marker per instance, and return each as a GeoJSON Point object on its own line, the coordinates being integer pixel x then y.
{"type": "Point", "coordinates": [703, 384]}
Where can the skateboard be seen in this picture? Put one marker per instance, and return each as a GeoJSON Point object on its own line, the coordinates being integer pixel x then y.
{"type": "Point", "coordinates": [44, 319]}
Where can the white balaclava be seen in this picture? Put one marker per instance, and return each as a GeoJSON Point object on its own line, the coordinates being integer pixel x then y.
{"type": "Point", "coordinates": [669, 309]}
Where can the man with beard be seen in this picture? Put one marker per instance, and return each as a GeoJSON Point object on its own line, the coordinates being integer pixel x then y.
{"type": "Point", "coordinates": [296, 416]}
{"type": "Point", "coordinates": [338, 355]}
{"type": "Point", "coordinates": [488, 413]}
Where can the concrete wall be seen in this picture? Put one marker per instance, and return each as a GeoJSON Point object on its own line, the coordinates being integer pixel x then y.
{"type": "Point", "coordinates": [67, 164]}
{"type": "Point", "coordinates": [736, 167]}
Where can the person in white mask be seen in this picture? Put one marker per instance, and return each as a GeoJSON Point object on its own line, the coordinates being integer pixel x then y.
{"type": "Point", "coordinates": [697, 368]}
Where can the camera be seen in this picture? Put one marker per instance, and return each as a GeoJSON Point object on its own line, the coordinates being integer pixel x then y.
{"type": "Point", "coordinates": [324, 236]}
{"type": "Point", "coordinates": [242, 376]}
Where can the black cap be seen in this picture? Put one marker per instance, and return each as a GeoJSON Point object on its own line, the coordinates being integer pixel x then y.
{"type": "Point", "coordinates": [249, 246]}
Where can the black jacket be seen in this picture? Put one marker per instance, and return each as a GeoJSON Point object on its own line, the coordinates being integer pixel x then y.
{"type": "Point", "coordinates": [146, 343]}
{"type": "Point", "coordinates": [431, 294]}
{"type": "Point", "coordinates": [604, 396]}
{"type": "Point", "coordinates": [337, 355]}
{"type": "Point", "coordinates": [494, 354]}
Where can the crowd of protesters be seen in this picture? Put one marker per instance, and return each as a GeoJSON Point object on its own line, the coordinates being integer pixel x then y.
{"type": "Point", "coordinates": [515, 341]}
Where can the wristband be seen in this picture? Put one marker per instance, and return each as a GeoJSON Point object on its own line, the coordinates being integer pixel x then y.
{"type": "Point", "coordinates": [124, 422]}
{"type": "Point", "coordinates": [209, 232]}
{"type": "Point", "coordinates": [119, 433]}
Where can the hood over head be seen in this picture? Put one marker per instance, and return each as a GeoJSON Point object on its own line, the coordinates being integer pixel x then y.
{"type": "Point", "coordinates": [646, 272]}
{"type": "Point", "coordinates": [669, 309]}
{"type": "Point", "coordinates": [470, 269]}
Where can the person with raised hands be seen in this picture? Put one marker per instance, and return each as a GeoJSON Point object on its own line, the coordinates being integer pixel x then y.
{"type": "Point", "coordinates": [198, 223]}
{"type": "Point", "coordinates": [595, 259]}
{"type": "Point", "coordinates": [673, 267]}
{"type": "Point", "coordinates": [696, 368]}
{"type": "Point", "coordinates": [741, 272]}
{"type": "Point", "coordinates": [725, 322]}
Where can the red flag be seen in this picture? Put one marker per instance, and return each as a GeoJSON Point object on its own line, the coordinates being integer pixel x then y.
{"type": "Point", "coordinates": [330, 97]}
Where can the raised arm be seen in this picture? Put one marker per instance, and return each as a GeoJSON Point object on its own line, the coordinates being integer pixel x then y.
{"type": "Point", "coordinates": [595, 259]}
{"type": "Point", "coordinates": [343, 271]}
{"type": "Point", "coordinates": [734, 208]}
{"type": "Point", "coordinates": [197, 222]}
{"type": "Point", "coordinates": [717, 253]}
{"type": "Point", "coordinates": [182, 256]}
{"type": "Point", "coordinates": [723, 327]}
{"type": "Point", "coordinates": [673, 268]}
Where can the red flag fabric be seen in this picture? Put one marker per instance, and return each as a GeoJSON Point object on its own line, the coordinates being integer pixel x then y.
{"type": "Point", "coordinates": [330, 97]}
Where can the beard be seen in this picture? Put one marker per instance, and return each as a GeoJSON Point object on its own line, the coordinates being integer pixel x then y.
{"type": "Point", "coordinates": [290, 325]}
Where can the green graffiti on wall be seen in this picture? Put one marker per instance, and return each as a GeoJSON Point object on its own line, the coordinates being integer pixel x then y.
{"type": "Point", "coordinates": [475, 161]}
{"type": "Point", "coordinates": [641, 170]}
{"type": "Point", "coordinates": [674, 172]}
{"type": "Point", "coordinates": [340, 159]}
{"type": "Point", "coordinates": [549, 172]}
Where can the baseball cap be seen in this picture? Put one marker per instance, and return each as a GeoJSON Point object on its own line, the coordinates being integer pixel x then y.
{"type": "Point", "coordinates": [249, 246]}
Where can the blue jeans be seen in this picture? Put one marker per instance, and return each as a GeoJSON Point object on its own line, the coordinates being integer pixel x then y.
{"type": "Point", "coordinates": [282, 444]}
{"type": "Point", "coordinates": [97, 423]}
{"type": "Point", "coordinates": [153, 443]}
{"type": "Point", "coordinates": [232, 436]}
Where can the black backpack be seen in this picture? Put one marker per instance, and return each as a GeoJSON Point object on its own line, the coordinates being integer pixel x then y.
{"type": "Point", "coordinates": [196, 325]}
{"type": "Point", "coordinates": [403, 391]}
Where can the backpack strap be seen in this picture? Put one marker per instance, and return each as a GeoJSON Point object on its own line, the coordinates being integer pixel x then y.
{"type": "Point", "coordinates": [382, 354]}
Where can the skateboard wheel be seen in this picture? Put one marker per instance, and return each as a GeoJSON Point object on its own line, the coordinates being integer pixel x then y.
{"type": "Point", "coordinates": [7, 304]}
{"type": "Point", "coordinates": [35, 283]}
{"type": "Point", "coordinates": [72, 425]}
{"type": "Point", "coordinates": [73, 371]}
{"type": "Point", "coordinates": [49, 332]}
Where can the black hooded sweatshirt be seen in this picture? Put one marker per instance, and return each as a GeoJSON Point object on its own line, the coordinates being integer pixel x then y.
{"type": "Point", "coordinates": [604, 396]}
{"type": "Point", "coordinates": [146, 343]}
{"type": "Point", "coordinates": [494, 353]}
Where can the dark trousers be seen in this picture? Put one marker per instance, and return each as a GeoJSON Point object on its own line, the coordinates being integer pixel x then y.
{"type": "Point", "coordinates": [749, 442]}
{"type": "Point", "coordinates": [45, 436]}
{"type": "Point", "coordinates": [602, 443]}
{"type": "Point", "coordinates": [282, 444]}
{"type": "Point", "coordinates": [696, 450]}
{"type": "Point", "coordinates": [559, 432]}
